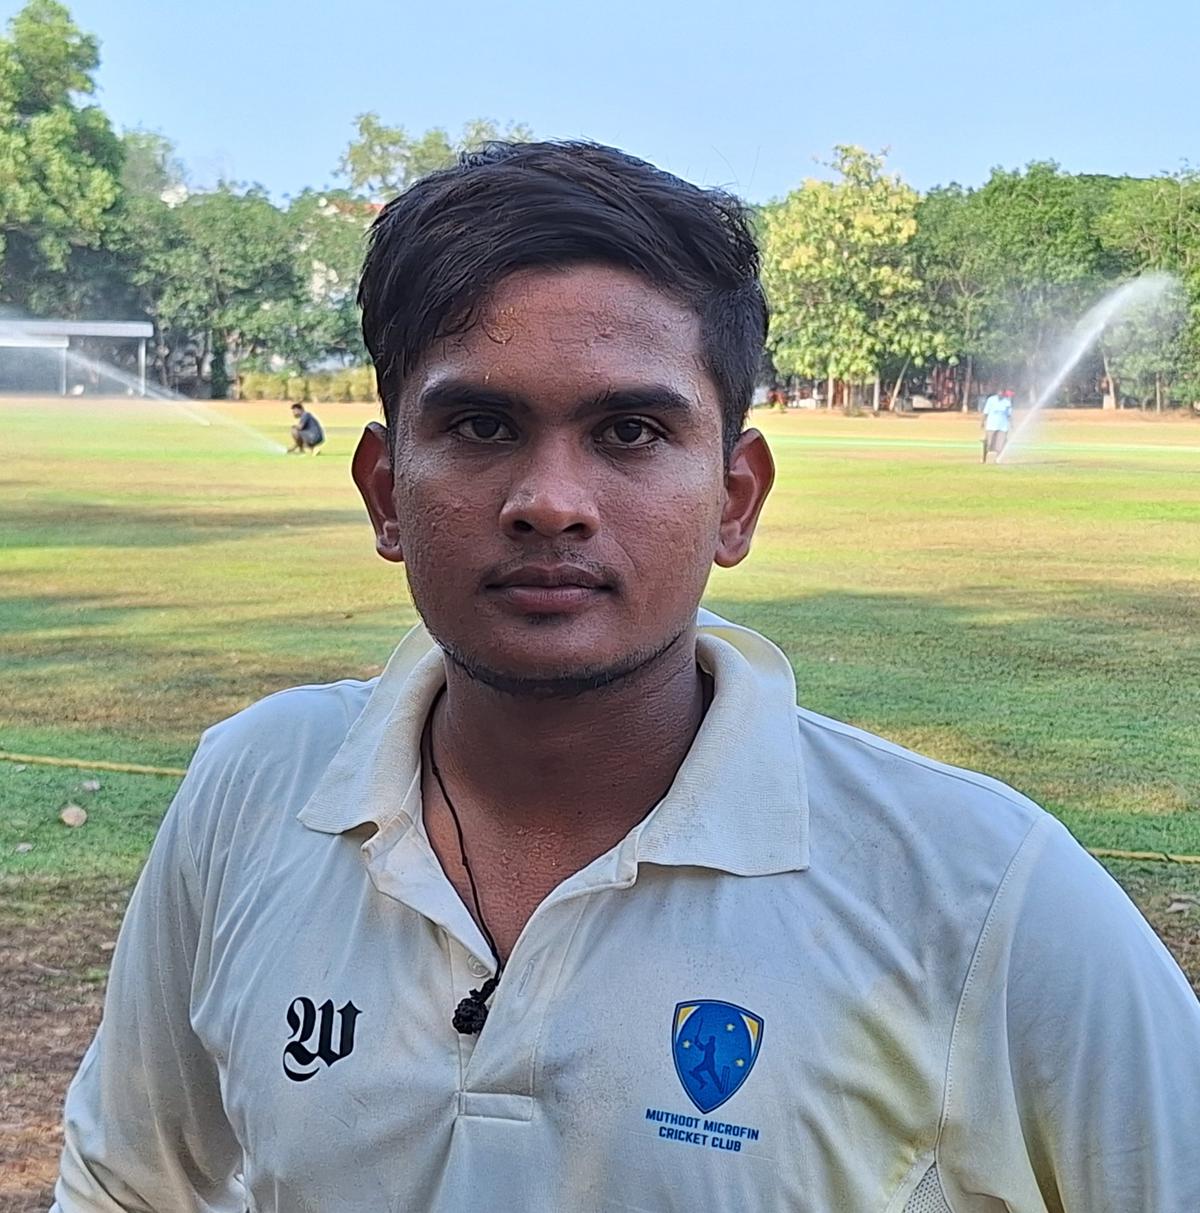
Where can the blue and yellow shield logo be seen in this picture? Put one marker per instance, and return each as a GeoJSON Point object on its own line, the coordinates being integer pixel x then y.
{"type": "Point", "coordinates": [715, 1046]}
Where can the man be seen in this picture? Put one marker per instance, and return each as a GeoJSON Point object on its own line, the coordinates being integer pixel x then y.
{"type": "Point", "coordinates": [307, 434]}
{"type": "Point", "coordinates": [466, 935]}
{"type": "Point", "coordinates": [997, 418]}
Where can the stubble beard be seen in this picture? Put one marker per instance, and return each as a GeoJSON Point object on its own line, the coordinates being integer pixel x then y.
{"type": "Point", "coordinates": [569, 685]}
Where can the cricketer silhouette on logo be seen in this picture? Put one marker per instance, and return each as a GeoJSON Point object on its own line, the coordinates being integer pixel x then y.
{"type": "Point", "coordinates": [715, 1045]}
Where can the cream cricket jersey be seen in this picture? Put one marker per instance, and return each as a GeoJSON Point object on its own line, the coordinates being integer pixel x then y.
{"type": "Point", "coordinates": [824, 974]}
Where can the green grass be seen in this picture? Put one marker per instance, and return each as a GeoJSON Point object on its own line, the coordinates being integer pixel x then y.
{"type": "Point", "coordinates": [123, 814]}
{"type": "Point", "coordinates": [1038, 620]}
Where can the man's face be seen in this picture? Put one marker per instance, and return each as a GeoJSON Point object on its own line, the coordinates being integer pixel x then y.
{"type": "Point", "coordinates": [559, 484]}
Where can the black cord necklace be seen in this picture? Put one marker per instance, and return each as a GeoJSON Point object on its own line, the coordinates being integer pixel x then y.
{"type": "Point", "coordinates": [471, 1013]}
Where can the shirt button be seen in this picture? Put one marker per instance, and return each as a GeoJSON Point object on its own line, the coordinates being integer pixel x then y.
{"type": "Point", "coordinates": [477, 967]}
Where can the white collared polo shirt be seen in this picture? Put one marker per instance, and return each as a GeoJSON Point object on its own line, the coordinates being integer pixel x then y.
{"type": "Point", "coordinates": [824, 974]}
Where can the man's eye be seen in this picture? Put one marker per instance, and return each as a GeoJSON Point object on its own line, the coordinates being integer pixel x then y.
{"type": "Point", "coordinates": [482, 429]}
{"type": "Point", "coordinates": [631, 431]}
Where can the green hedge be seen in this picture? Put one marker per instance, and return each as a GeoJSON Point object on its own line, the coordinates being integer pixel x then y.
{"type": "Point", "coordinates": [350, 384]}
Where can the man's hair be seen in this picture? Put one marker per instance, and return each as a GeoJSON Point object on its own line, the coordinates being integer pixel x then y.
{"type": "Point", "coordinates": [440, 248]}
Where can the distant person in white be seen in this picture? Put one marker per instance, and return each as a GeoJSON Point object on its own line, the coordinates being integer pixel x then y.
{"type": "Point", "coordinates": [997, 419]}
{"type": "Point", "coordinates": [572, 909]}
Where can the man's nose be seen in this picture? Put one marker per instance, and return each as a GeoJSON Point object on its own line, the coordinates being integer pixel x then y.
{"type": "Point", "coordinates": [553, 494]}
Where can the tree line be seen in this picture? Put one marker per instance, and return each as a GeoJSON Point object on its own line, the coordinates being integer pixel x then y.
{"type": "Point", "coordinates": [876, 289]}
{"type": "Point", "coordinates": [967, 289]}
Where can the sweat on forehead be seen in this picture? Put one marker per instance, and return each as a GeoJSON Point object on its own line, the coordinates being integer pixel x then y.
{"type": "Point", "coordinates": [580, 305]}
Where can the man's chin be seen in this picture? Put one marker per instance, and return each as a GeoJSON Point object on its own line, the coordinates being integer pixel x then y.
{"type": "Point", "coordinates": [542, 677]}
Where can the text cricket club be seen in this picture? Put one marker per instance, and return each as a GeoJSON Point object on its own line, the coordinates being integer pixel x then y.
{"type": "Point", "coordinates": [700, 1131]}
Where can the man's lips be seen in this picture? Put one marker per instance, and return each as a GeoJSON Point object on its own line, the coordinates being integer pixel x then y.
{"type": "Point", "coordinates": [548, 589]}
{"type": "Point", "coordinates": [550, 576]}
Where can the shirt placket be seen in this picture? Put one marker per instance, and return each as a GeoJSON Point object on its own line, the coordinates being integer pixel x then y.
{"type": "Point", "coordinates": [497, 1066]}
{"type": "Point", "coordinates": [401, 865]}
{"type": "Point", "coordinates": [467, 972]}
{"type": "Point", "coordinates": [505, 1059]}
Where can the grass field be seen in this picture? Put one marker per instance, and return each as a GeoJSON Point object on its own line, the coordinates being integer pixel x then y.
{"type": "Point", "coordinates": [1038, 620]}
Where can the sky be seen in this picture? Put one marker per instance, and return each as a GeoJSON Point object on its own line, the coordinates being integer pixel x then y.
{"type": "Point", "coordinates": [750, 95]}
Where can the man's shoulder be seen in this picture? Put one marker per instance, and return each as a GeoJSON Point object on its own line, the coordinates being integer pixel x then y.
{"type": "Point", "coordinates": [253, 771]}
{"type": "Point", "coordinates": [863, 783]}
{"type": "Point", "coordinates": [298, 729]}
{"type": "Point", "coordinates": [312, 706]}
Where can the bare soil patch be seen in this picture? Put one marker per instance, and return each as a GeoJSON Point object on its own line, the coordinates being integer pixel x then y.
{"type": "Point", "coordinates": [56, 939]}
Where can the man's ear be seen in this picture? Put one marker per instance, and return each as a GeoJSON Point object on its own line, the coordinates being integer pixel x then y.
{"type": "Point", "coordinates": [748, 480]}
{"type": "Point", "coordinates": [372, 472]}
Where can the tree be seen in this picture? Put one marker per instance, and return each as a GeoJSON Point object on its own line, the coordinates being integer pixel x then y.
{"type": "Point", "coordinates": [1040, 259]}
{"type": "Point", "coordinates": [840, 271]}
{"type": "Point", "coordinates": [59, 161]}
{"type": "Point", "coordinates": [150, 168]}
{"type": "Point", "coordinates": [328, 235]}
{"type": "Point", "coordinates": [216, 265]}
{"type": "Point", "coordinates": [53, 58]}
{"type": "Point", "coordinates": [1154, 224]}
{"type": "Point", "coordinates": [1142, 349]}
{"type": "Point", "coordinates": [147, 241]}
{"type": "Point", "coordinates": [231, 277]}
{"type": "Point", "coordinates": [383, 160]}
{"type": "Point", "coordinates": [954, 264]}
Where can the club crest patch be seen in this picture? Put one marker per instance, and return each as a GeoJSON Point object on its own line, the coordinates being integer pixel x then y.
{"type": "Point", "coordinates": [715, 1046]}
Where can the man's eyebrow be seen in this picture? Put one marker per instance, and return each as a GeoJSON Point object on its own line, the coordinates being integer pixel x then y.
{"type": "Point", "coordinates": [634, 398]}
{"type": "Point", "coordinates": [639, 398]}
{"type": "Point", "coordinates": [459, 393]}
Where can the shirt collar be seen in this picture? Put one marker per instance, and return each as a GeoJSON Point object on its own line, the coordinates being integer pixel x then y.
{"type": "Point", "coordinates": [739, 802]}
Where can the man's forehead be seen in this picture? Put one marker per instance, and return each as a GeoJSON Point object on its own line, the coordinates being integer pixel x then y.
{"type": "Point", "coordinates": [583, 305]}
{"type": "Point", "coordinates": [563, 335]}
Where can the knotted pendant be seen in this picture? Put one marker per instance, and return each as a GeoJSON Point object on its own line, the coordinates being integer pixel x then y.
{"type": "Point", "coordinates": [471, 1013]}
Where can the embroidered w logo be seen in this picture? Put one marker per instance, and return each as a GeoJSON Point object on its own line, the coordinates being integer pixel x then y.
{"type": "Point", "coordinates": [303, 1020]}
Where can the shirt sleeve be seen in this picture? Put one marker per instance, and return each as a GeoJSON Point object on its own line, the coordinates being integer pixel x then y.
{"type": "Point", "coordinates": [1074, 1080]}
{"type": "Point", "coordinates": [145, 1128]}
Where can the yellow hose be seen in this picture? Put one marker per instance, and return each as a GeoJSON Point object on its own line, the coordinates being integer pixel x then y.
{"type": "Point", "coordinates": [132, 768]}
{"type": "Point", "coordinates": [1153, 856]}
{"type": "Point", "coordinates": [137, 768]}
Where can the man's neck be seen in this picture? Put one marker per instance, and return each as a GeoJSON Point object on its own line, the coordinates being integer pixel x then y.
{"type": "Point", "coordinates": [585, 768]}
